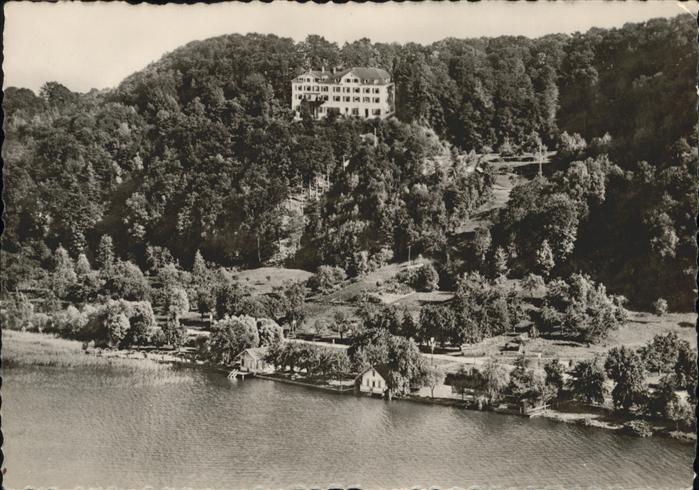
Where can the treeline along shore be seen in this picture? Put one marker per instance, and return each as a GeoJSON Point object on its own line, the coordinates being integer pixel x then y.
{"type": "Point", "coordinates": [520, 235]}
{"type": "Point", "coordinates": [651, 388]}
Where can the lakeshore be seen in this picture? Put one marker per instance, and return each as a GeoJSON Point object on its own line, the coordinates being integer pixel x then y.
{"type": "Point", "coordinates": [195, 428]}
{"type": "Point", "coordinates": [31, 349]}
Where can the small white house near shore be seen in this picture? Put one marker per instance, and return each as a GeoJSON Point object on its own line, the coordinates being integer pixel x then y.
{"type": "Point", "coordinates": [253, 360]}
{"type": "Point", "coordinates": [372, 380]}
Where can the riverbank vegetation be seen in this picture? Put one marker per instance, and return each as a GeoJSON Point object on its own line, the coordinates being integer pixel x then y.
{"type": "Point", "coordinates": [28, 349]}
{"type": "Point", "coordinates": [187, 210]}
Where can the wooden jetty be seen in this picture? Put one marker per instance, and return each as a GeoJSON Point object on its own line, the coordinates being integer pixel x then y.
{"type": "Point", "coordinates": [235, 374]}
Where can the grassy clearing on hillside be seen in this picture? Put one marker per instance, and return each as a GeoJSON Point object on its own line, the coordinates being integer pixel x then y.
{"type": "Point", "coordinates": [324, 307]}
{"type": "Point", "coordinates": [264, 279]}
{"type": "Point", "coordinates": [414, 301]}
{"type": "Point", "coordinates": [508, 174]}
{"type": "Point", "coordinates": [638, 331]}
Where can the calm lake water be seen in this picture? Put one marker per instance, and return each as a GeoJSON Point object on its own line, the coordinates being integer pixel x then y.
{"type": "Point", "coordinates": [187, 428]}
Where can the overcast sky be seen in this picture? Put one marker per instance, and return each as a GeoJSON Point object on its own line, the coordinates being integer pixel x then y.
{"type": "Point", "coordinates": [96, 45]}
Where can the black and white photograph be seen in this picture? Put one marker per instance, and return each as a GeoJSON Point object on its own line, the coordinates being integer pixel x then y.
{"type": "Point", "coordinates": [368, 246]}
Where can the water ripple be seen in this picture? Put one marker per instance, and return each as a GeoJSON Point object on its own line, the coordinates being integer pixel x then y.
{"type": "Point", "coordinates": [194, 429]}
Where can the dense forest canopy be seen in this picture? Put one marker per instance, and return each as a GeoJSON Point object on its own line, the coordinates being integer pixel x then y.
{"type": "Point", "coordinates": [200, 151]}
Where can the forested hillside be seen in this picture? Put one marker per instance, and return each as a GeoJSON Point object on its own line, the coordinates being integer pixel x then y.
{"type": "Point", "coordinates": [200, 151]}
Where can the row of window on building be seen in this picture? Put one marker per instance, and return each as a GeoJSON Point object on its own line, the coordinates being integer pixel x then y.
{"type": "Point", "coordinates": [347, 80]}
{"type": "Point", "coordinates": [346, 98]}
{"type": "Point", "coordinates": [353, 111]}
{"type": "Point", "coordinates": [356, 90]}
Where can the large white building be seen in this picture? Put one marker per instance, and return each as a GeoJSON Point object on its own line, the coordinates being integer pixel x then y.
{"type": "Point", "coordinates": [358, 91]}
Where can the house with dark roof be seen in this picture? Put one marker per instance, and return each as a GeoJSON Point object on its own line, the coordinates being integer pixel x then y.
{"type": "Point", "coordinates": [373, 380]}
{"type": "Point", "coordinates": [358, 91]}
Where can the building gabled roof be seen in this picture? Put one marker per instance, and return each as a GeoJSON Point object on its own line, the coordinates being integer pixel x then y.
{"type": "Point", "coordinates": [257, 353]}
{"type": "Point", "coordinates": [365, 74]}
{"type": "Point", "coordinates": [382, 369]}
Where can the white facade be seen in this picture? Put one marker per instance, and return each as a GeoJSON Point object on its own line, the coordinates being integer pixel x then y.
{"type": "Point", "coordinates": [371, 381]}
{"type": "Point", "coordinates": [360, 92]}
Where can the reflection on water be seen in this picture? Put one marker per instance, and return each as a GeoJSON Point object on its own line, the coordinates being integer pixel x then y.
{"type": "Point", "coordinates": [187, 428]}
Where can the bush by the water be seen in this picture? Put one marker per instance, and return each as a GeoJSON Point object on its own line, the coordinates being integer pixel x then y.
{"type": "Point", "coordinates": [639, 428]}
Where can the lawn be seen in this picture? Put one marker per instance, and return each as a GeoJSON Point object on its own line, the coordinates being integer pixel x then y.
{"type": "Point", "coordinates": [264, 279]}
{"type": "Point", "coordinates": [323, 307]}
{"type": "Point", "coordinates": [638, 331]}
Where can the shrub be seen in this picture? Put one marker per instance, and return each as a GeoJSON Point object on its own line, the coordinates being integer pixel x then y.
{"type": "Point", "coordinates": [533, 143]}
{"type": "Point", "coordinates": [506, 149]}
{"type": "Point", "coordinates": [321, 326]}
{"type": "Point", "coordinates": [253, 306]}
{"type": "Point", "coordinates": [639, 428]}
{"type": "Point", "coordinates": [395, 287]}
{"type": "Point", "coordinates": [406, 277]}
{"type": "Point", "coordinates": [71, 323]}
{"type": "Point", "coordinates": [141, 322]}
{"type": "Point", "coordinates": [159, 338]}
{"type": "Point", "coordinates": [158, 257]}
{"type": "Point", "coordinates": [269, 331]}
{"type": "Point", "coordinates": [227, 298]}
{"type": "Point", "coordinates": [63, 275]}
{"type": "Point", "coordinates": [126, 281]}
{"type": "Point", "coordinates": [68, 323]}
{"type": "Point", "coordinates": [117, 326]}
{"type": "Point", "coordinates": [105, 324]}
{"type": "Point", "coordinates": [660, 307]}
{"type": "Point", "coordinates": [600, 145]}
{"type": "Point", "coordinates": [177, 303]}
{"type": "Point", "coordinates": [380, 258]}
{"type": "Point", "coordinates": [423, 278]}
{"type": "Point", "coordinates": [40, 322]}
{"type": "Point", "coordinates": [625, 367]}
{"type": "Point", "coordinates": [174, 333]}
{"type": "Point", "coordinates": [18, 269]}
{"type": "Point", "coordinates": [325, 278]}
{"type": "Point", "coordinates": [532, 283]}
{"type": "Point", "coordinates": [482, 242]}
{"type": "Point", "coordinates": [359, 264]}
{"type": "Point", "coordinates": [571, 147]}
{"type": "Point", "coordinates": [588, 382]}
{"type": "Point", "coordinates": [661, 352]}
{"type": "Point", "coordinates": [85, 289]}
{"type": "Point", "coordinates": [427, 278]}
{"type": "Point", "coordinates": [18, 313]}
{"type": "Point", "coordinates": [170, 276]}
{"type": "Point", "coordinates": [206, 300]}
